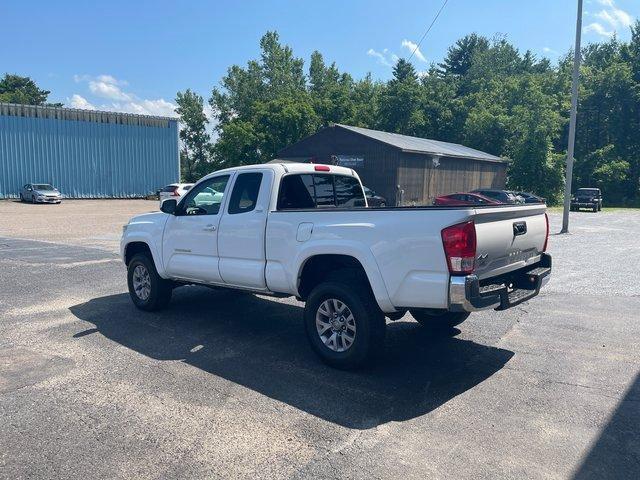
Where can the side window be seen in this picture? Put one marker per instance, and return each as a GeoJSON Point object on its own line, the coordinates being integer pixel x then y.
{"type": "Point", "coordinates": [324, 191]}
{"type": "Point", "coordinates": [296, 191]}
{"type": "Point", "coordinates": [348, 192]}
{"type": "Point", "coordinates": [205, 198]}
{"type": "Point", "coordinates": [245, 193]}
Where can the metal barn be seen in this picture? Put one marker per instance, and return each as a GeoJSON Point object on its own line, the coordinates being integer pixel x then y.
{"type": "Point", "coordinates": [86, 153]}
{"type": "Point", "coordinates": [406, 170]}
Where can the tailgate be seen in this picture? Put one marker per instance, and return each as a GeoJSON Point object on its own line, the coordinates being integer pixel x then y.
{"type": "Point", "coordinates": [508, 238]}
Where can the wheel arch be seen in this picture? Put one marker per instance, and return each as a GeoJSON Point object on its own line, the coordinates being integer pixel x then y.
{"type": "Point", "coordinates": [318, 263]}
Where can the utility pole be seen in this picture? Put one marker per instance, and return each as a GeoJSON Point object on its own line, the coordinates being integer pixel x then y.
{"type": "Point", "coordinates": [572, 123]}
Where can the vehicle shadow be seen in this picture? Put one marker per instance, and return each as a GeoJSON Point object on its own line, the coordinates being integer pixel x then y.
{"type": "Point", "coordinates": [260, 343]}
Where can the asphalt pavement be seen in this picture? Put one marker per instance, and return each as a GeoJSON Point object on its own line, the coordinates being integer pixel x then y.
{"type": "Point", "coordinates": [223, 384]}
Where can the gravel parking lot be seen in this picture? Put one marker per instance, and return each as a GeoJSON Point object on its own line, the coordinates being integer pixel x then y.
{"type": "Point", "coordinates": [223, 384]}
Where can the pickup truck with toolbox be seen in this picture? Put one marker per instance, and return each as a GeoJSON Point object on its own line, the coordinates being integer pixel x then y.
{"type": "Point", "coordinates": [305, 230]}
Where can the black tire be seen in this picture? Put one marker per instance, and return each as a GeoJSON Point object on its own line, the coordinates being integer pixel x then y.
{"type": "Point", "coordinates": [21, 198]}
{"type": "Point", "coordinates": [368, 340]}
{"type": "Point", "coordinates": [33, 199]}
{"type": "Point", "coordinates": [439, 319]}
{"type": "Point", "coordinates": [595, 209]}
{"type": "Point", "coordinates": [160, 289]}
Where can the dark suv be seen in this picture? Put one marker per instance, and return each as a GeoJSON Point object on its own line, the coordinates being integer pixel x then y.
{"type": "Point", "coordinates": [590, 198]}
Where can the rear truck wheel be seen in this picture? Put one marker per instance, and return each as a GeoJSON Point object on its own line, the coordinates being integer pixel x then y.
{"type": "Point", "coordinates": [344, 324]}
{"type": "Point", "coordinates": [595, 209]}
{"type": "Point", "coordinates": [148, 290]}
{"type": "Point", "coordinates": [438, 318]}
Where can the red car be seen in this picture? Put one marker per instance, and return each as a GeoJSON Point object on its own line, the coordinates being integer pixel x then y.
{"type": "Point", "coordinates": [457, 199]}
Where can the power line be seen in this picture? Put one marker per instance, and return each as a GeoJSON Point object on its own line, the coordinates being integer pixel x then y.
{"type": "Point", "coordinates": [428, 29]}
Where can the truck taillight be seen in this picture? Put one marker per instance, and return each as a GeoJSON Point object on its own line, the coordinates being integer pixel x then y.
{"type": "Point", "coordinates": [546, 238]}
{"type": "Point", "coordinates": [459, 243]}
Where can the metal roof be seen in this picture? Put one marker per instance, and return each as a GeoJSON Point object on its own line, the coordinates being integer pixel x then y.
{"type": "Point", "coordinates": [423, 145]}
{"type": "Point", "coordinates": [97, 116]}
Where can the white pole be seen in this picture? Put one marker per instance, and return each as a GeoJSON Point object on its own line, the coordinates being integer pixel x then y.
{"type": "Point", "coordinates": [572, 122]}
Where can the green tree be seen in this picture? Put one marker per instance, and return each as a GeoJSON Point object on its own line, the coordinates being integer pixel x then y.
{"type": "Point", "coordinates": [23, 90]}
{"type": "Point", "coordinates": [400, 110]}
{"type": "Point", "coordinates": [194, 151]}
{"type": "Point", "coordinates": [460, 56]}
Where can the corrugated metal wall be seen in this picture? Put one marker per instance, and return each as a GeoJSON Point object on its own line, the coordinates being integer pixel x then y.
{"type": "Point", "coordinates": [95, 155]}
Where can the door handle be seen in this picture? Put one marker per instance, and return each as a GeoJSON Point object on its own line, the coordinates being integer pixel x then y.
{"type": "Point", "coordinates": [209, 228]}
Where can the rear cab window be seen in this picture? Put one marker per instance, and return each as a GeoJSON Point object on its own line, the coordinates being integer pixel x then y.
{"type": "Point", "coordinates": [308, 191]}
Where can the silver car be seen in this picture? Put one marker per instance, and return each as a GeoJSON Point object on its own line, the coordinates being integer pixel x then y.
{"type": "Point", "coordinates": [40, 193]}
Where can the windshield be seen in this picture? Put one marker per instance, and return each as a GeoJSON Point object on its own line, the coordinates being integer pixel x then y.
{"type": "Point", "coordinates": [43, 186]}
{"type": "Point", "coordinates": [588, 191]}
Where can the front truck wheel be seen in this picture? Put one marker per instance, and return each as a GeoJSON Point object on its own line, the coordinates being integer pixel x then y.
{"type": "Point", "coordinates": [148, 290]}
{"type": "Point", "coordinates": [344, 324]}
{"type": "Point", "coordinates": [438, 318]}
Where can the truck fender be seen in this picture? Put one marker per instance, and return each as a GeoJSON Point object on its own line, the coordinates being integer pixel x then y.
{"type": "Point", "coordinates": [146, 238]}
{"type": "Point", "coordinates": [351, 249]}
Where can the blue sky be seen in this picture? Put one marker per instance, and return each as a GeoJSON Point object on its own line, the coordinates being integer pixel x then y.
{"type": "Point", "coordinates": [135, 55]}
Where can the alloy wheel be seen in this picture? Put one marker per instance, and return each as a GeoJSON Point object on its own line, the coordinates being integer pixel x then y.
{"type": "Point", "coordinates": [336, 325]}
{"type": "Point", "coordinates": [141, 282]}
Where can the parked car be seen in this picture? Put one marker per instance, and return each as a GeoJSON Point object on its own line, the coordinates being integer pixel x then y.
{"type": "Point", "coordinates": [174, 190]}
{"type": "Point", "coordinates": [530, 197]}
{"type": "Point", "coordinates": [587, 198]}
{"type": "Point", "coordinates": [454, 199]}
{"type": "Point", "coordinates": [40, 193]}
{"type": "Point", "coordinates": [502, 196]}
{"type": "Point", "coordinates": [276, 230]}
{"type": "Point", "coordinates": [373, 198]}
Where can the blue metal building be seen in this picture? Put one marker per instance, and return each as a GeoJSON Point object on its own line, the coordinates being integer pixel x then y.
{"type": "Point", "coordinates": [86, 153]}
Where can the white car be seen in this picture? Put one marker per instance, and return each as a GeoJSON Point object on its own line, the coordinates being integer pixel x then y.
{"type": "Point", "coordinates": [174, 190]}
{"type": "Point", "coordinates": [302, 230]}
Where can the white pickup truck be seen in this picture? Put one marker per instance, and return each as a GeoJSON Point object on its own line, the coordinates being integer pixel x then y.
{"type": "Point", "coordinates": [305, 230]}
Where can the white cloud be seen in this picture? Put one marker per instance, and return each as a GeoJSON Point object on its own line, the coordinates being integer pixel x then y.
{"type": "Point", "coordinates": [613, 16]}
{"type": "Point", "coordinates": [159, 107]}
{"type": "Point", "coordinates": [108, 87]}
{"type": "Point", "coordinates": [108, 90]}
{"type": "Point", "coordinates": [595, 27]}
{"type": "Point", "coordinates": [382, 57]}
{"type": "Point", "coordinates": [78, 101]}
{"type": "Point", "coordinates": [623, 17]}
{"type": "Point", "coordinates": [409, 45]}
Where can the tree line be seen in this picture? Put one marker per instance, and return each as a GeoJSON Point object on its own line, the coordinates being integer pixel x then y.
{"type": "Point", "coordinates": [485, 94]}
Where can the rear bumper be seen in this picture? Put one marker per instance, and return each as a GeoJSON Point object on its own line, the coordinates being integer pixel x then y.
{"type": "Point", "coordinates": [469, 294]}
{"type": "Point", "coordinates": [584, 204]}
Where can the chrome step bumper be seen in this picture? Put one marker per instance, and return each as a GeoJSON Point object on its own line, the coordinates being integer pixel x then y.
{"type": "Point", "coordinates": [469, 294]}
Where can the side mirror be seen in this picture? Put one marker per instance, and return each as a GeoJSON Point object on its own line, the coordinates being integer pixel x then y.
{"type": "Point", "coordinates": [169, 206]}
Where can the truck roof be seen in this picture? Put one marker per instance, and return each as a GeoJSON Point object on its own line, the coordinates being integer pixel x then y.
{"type": "Point", "coordinates": [288, 167]}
